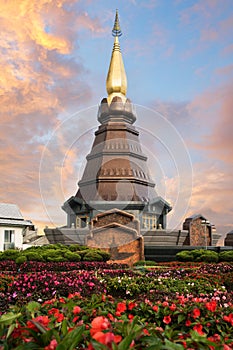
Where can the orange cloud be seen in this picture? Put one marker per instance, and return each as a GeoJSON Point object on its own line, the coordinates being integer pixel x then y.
{"type": "Point", "coordinates": [40, 82]}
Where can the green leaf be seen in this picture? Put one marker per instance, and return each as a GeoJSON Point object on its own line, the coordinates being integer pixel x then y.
{"type": "Point", "coordinates": [33, 306]}
{"type": "Point", "coordinates": [181, 318]}
{"type": "Point", "coordinates": [153, 342]}
{"type": "Point", "coordinates": [172, 346]}
{"type": "Point", "coordinates": [47, 337]}
{"type": "Point", "coordinates": [72, 339]}
{"type": "Point", "coordinates": [10, 330]}
{"type": "Point", "coordinates": [28, 346]}
{"type": "Point", "coordinates": [7, 319]}
{"type": "Point", "coordinates": [41, 328]}
{"type": "Point", "coordinates": [64, 327]}
{"type": "Point", "coordinates": [125, 343]}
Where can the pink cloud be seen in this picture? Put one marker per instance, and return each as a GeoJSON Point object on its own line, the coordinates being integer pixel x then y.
{"type": "Point", "coordinates": [40, 83]}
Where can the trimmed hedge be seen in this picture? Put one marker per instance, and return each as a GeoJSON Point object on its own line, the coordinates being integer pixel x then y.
{"type": "Point", "coordinates": [56, 253]}
{"type": "Point", "coordinates": [226, 256]}
{"type": "Point", "coordinates": [198, 255]}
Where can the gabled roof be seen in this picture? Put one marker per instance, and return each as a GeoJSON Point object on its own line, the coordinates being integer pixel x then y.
{"type": "Point", "coordinates": [10, 211]}
{"type": "Point", "coordinates": [161, 201]}
{"type": "Point", "coordinates": [10, 215]}
{"type": "Point", "coordinates": [197, 216]}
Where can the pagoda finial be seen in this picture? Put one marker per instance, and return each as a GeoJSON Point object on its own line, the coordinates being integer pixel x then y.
{"type": "Point", "coordinates": [116, 82]}
{"type": "Point", "coordinates": [116, 31]}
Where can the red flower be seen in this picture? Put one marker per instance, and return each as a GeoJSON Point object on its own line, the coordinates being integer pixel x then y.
{"type": "Point", "coordinates": [104, 338]}
{"type": "Point", "coordinates": [121, 307]}
{"type": "Point", "coordinates": [117, 338]}
{"type": "Point", "coordinates": [226, 347]}
{"type": "Point", "coordinates": [172, 307]}
{"type": "Point", "coordinates": [211, 306]}
{"type": "Point", "coordinates": [76, 310]}
{"type": "Point", "coordinates": [53, 311]}
{"type": "Point", "coordinates": [131, 305]}
{"type": "Point", "coordinates": [198, 328]}
{"type": "Point", "coordinates": [155, 308]}
{"type": "Point", "coordinates": [187, 323]}
{"type": "Point", "coordinates": [52, 345]}
{"type": "Point", "coordinates": [228, 318]}
{"type": "Point", "coordinates": [43, 320]}
{"type": "Point", "coordinates": [196, 312]}
{"type": "Point", "coordinates": [60, 317]}
{"type": "Point", "coordinates": [167, 319]}
{"type": "Point", "coordinates": [75, 319]}
{"type": "Point", "coordinates": [107, 338]}
{"type": "Point", "coordinates": [76, 294]}
{"type": "Point", "coordinates": [130, 316]}
{"type": "Point", "coordinates": [48, 302]}
{"type": "Point", "coordinates": [145, 331]}
{"type": "Point", "coordinates": [110, 316]}
{"type": "Point", "coordinates": [98, 324]}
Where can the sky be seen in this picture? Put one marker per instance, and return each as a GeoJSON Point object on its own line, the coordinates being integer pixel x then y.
{"type": "Point", "coordinates": [178, 57]}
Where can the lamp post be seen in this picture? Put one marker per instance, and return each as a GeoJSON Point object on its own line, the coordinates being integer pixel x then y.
{"type": "Point", "coordinates": [205, 223]}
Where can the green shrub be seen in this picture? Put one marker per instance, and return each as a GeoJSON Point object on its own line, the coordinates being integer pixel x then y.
{"type": "Point", "coordinates": [82, 253]}
{"type": "Point", "coordinates": [10, 254]}
{"type": "Point", "coordinates": [56, 259]}
{"type": "Point", "coordinates": [58, 246]}
{"type": "Point", "coordinates": [226, 256]}
{"type": "Point", "coordinates": [105, 255]}
{"type": "Point", "coordinates": [70, 256]}
{"type": "Point", "coordinates": [208, 256]}
{"type": "Point", "coordinates": [33, 256]}
{"type": "Point", "coordinates": [32, 248]}
{"type": "Point", "coordinates": [51, 253]}
{"type": "Point", "coordinates": [74, 247]}
{"type": "Point", "coordinates": [185, 255]}
{"type": "Point", "coordinates": [92, 256]}
{"type": "Point", "coordinates": [83, 247]}
{"type": "Point", "coordinates": [197, 253]}
{"type": "Point", "coordinates": [21, 259]}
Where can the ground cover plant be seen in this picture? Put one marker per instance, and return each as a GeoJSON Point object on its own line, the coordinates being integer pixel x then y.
{"type": "Point", "coordinates": [98, 306]}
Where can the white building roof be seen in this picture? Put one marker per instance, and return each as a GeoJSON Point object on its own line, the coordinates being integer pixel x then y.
{"type": "Point", "coordinates": [10, 211]}
{"type": "Point", "coordinates": [10, 215]}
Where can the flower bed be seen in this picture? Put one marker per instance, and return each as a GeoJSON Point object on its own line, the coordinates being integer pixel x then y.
{"type": "Point", "coordinates": [105, 308]}
{"type": "Point", "coordinates": [101, 322]}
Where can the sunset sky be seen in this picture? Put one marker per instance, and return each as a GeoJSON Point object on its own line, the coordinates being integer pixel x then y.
{"type": "Point", "coordinates": [178, 56]}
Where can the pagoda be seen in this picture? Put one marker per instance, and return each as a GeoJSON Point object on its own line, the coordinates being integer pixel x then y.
{"type": "Point", "coordinates": [116, 206]}
{"type": "Point", "coordinates": [116, 175]}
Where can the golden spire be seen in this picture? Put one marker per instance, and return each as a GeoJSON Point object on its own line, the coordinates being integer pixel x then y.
{"type": "Point", "coordinates": [116, 82]}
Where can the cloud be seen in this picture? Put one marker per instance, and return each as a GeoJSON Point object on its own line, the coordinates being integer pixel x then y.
{"type": "Point", "coordinates": [42, 79]}
{"type": "Point", "coordinates": [205, 124]}
{"type": "Point", "coordinates": [207, 23]}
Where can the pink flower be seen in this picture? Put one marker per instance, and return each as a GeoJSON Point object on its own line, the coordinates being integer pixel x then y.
{"type": "Point", "coordinates": [76, 310]}
{"type": "Point", "coordinates": [52, 345]}
{"type": "Point", "coordinates": [167, 319]}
